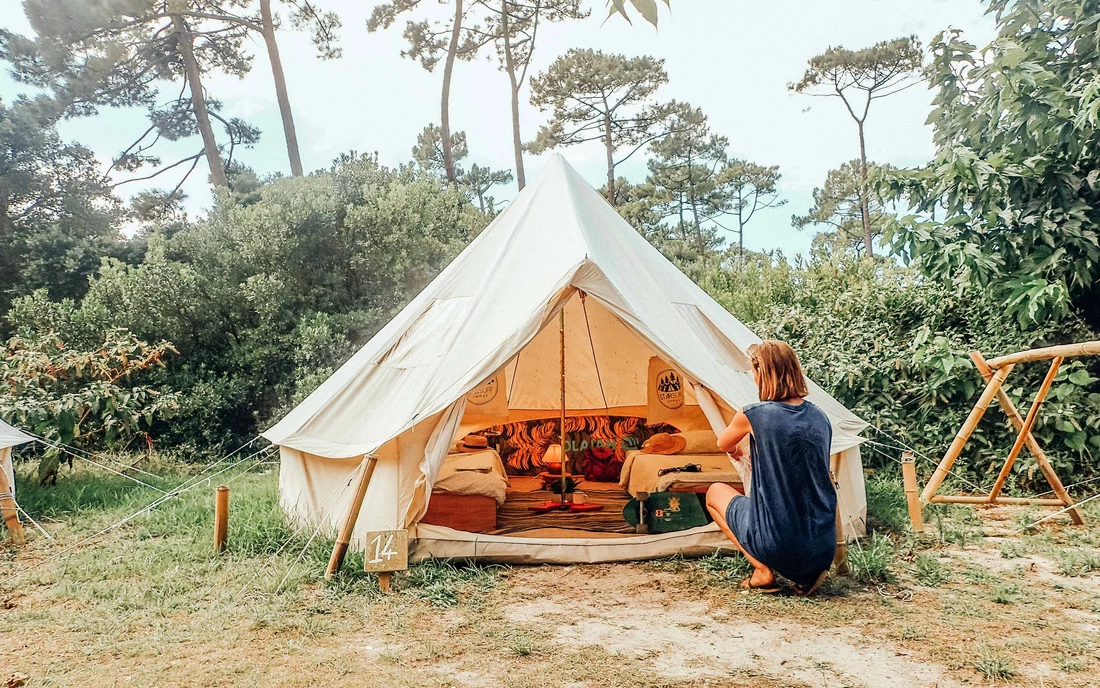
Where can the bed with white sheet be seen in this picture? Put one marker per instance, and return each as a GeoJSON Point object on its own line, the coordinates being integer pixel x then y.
{"type": "Point", "coordinates": [473, 473]}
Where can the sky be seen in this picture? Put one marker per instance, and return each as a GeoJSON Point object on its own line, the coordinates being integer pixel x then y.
{"type": "Point", "coordinates": [732, 58]}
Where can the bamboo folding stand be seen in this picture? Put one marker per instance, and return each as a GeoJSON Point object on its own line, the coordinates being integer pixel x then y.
{"type": "Point", "coordinates": [994, 371]}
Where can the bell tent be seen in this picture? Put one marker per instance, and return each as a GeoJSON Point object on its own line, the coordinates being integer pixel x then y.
{"type": "Point", "coordinates": [559, 309]}
{"type": "Point", "coordinates": [10, 437]}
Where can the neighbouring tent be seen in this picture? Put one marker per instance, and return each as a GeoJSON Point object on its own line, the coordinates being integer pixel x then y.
{"type": "Point", "coordinates": [491, 318]}
{"type": "Point", "coordinates": [10, 437]}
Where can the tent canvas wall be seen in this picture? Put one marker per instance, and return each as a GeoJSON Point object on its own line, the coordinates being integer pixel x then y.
{"type": "Point", "coordinates": [10, 437]}
{"type": "Point", "coordinates": [494, 309]}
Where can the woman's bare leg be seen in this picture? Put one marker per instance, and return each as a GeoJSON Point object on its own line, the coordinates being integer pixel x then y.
{"type": "Point", "coordinates": [719, 496]}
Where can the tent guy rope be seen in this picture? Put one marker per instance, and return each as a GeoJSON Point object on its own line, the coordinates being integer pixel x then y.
{"type": "Point", "coordinates": [182, 488]}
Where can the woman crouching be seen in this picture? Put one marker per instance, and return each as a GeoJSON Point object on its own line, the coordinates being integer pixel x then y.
{"type": "Point", "coordinates": [787, 524]}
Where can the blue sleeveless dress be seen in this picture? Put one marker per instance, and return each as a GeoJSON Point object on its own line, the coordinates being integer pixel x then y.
{"type": "Point", "coordinates": [789, 521]}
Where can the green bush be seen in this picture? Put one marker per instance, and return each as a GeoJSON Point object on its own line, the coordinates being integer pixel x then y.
{"type": "Point", "coordinates": [268, 295]}
{"type": "Point", "coordinates": [893, 346]}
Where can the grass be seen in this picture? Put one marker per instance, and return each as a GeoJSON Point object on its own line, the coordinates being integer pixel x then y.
{"type": "Point", "coordinates": [871, 560]}
{"type": "Point", "coordinates": [152, 601]}
{"type": "Point", "coordinates": [1077, 562]}
{"type": "Point", "coordinates": [956, 524]}
{"type": "Point", "coordinates": [928, 570]}
{"type": "Point", "coordinates": [443, 584]}
{"type": "Point", "coordinates": [994, 664]}
{"type": "Point", "coordinates": [887, 510]}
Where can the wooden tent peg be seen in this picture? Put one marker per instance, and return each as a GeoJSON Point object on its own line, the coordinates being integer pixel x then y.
{"type": "Point", "coordinates": [912, 498]}
{"type": "Point", "coordinates": [221, 518]}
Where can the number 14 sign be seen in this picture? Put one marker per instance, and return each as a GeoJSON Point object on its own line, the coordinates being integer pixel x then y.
{"type": "Point", "coordinates": [386, 550]}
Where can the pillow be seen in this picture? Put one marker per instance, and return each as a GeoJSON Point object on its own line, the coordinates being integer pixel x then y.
{"type": "Point", "coordinates": [700, 442]}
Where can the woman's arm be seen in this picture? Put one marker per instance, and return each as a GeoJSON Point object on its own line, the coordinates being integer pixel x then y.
{"type": "Point", "coordinates": [732, 436]}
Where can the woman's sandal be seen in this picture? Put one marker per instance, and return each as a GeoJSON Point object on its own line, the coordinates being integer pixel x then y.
{"type": "Point", "coordinates": [767, 590]}
{"type": "Point", "coordinates": [802, 591]}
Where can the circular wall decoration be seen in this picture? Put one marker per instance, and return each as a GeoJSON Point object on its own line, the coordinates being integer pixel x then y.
{"type": "Point", "coordinates": [484, 394]}
{"type": "Point", "coordinates": [670, 389]}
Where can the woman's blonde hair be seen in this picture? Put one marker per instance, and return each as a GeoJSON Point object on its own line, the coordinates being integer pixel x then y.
{"type": "Point", "coordinates": [780, 372]}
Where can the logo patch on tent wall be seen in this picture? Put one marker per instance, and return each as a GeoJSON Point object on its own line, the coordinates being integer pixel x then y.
{"type": "Point", "coordinates": [485, 393]}
{"type": "Point", "coordinates": [667, 394]}
{"type": "Point", "coordinates": [670, 389]}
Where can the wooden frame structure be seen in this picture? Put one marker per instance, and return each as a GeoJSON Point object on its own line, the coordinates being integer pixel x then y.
{"type": "Point", "coordinates": [994, 371]}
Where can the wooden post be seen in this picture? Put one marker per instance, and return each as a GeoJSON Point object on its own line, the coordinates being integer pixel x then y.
{"type": "Point", "coordinates": [366, 470]}
{"type": "Point", "coordinates": [840, 559]}
{"type": "Point", "coordinates": [384, 578]}
{"type": "Point", "coordinates": [221, 518]}
{"type": "Point", "coordinates": [965, 431]}
{"type": "Point", "coordinates": [909, 478]}
{"type": "Point", "coordinates": [1032, 445]}
{"type": "Point", "coordinates": [1025, 431]}
{"type": "Point", "coordinates": [9, 511]}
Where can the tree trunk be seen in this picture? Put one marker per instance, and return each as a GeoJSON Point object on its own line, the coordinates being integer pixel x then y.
{"type": "Point", "coordinates": [510, 67]}
{"type": "Point", "coordinates": [610, 159]}
{"type": "Point", "coordinates": [445, 101]}
{"type": "Point", "coordinates": [695, 214]}
{"type": "Point", "coordinates": [5, 202]}
{"type": "Point", "coordinates": [289, 133]}
{"type": "Point", "coordinates": [864, 210]}
{"type": "Point", "coordinates": [740, 227]}
{"type": "Point", "coordinates": [198, 103]}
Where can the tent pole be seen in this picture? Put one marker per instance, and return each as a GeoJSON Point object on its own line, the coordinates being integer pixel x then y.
{"type": "Point", "coordinates": [8, 510]}
{"type": "Point", "coordinates": [366, 470]}
{"type": "Point", "coordinates": [840, 558]}
{"type": "Point", "coordinates": [564, 457]}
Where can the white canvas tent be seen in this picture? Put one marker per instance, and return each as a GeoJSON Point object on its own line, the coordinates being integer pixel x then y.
{"type": "Point", "coordinates": [402, 397]}
{"type": "Point", "coordinates": [10, 437]}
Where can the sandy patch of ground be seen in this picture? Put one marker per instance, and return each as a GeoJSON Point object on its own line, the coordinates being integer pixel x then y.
{"type": "Point", "coordinates": [632, 613]}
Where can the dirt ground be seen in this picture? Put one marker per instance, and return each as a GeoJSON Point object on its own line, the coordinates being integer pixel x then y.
{"type": "Point", "coordinates": [146, 608]}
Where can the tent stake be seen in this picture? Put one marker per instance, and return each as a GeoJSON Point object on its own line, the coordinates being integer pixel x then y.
{"type": "Point", "coordinates": [9, 512]}
{"type": "Point", "coordinates": [909, 478]}
{"type": "Point", "coordinates": [221, 518]}
{"type": "Point", "coordinates": [366, 470]}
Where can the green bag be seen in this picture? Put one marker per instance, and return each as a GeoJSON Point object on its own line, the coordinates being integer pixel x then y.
{"type": "Point", "coordinates": [667, 512]}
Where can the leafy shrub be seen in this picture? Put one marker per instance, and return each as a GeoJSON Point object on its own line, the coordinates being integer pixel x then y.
{"type": "Point", "coordinates": [82, 396]}
{"type": "Point", "coordinates": [893, 346]}
{"type": "Point", "coordinates": [268, 295]}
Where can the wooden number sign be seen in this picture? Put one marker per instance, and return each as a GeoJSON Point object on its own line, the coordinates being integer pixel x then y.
{"type": "Point", "coordinates": [386, 550]}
